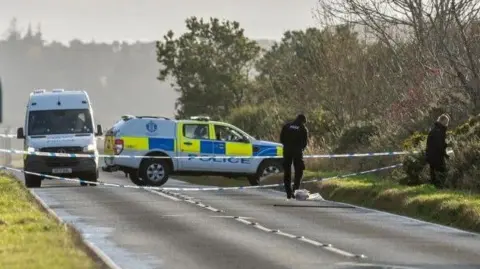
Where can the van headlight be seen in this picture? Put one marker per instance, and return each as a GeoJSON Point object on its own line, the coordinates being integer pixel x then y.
{"type": "Point", "coordinates": [31, 149]}
{"type": "Point", "coordinates": [90, 148]}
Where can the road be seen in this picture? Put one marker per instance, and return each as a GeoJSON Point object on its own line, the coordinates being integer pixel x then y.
{"type": "Point", "coordinates": [249, 229]}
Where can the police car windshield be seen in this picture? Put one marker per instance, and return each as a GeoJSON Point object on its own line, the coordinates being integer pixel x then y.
{"type": "Point", "coordinates": [68, 121]}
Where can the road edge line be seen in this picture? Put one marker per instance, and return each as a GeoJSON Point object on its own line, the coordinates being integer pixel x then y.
{"type": "Point", "coordinates": [100, 255]}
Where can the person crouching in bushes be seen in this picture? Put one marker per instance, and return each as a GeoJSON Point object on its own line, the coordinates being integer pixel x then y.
{"type": "Point", "coordinates": [436, 151]}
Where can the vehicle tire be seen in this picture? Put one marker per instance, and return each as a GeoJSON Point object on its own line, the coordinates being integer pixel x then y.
{"type": "Point", "coordinates": [265, 169]}
{"type": "Point", "coordinates": [154, 172]}
{"type": "Point", "coordinates": [33, 181]}
{"type": "Point", "coordinates": [136, 179]}
{"type": "Point", "coordinates": [90, 177]}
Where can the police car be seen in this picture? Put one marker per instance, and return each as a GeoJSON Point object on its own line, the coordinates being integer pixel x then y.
{"type": "Point", "coordinates": [197, 146]}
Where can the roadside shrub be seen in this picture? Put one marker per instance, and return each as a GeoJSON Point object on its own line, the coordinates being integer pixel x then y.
{"type": "Point", "coordinates": [356, 137]}
{"type": "Point", "coordinates": [414, 164]}
{"type": "Point", "coordinates": [464, 166]}
{"type": "Point", "coordinates": [262, 121]}
{"type": "Point", "coordinates": [415, 141]}
{"type": "Point", "coordinates": [415, 168]}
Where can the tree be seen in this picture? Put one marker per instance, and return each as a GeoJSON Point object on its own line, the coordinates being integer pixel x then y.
{"type": "Point", "coordinates": [210, 64]}
{"type": "Point", "coordinates": [421, 36]}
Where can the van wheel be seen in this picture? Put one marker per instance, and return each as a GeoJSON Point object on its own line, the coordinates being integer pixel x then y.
{"type": "Point", "coordinates": [33, 181]}
{"type": "Point", "coordinates": [135, 178]}
{"type": "Point", "coordinates": [93, 177]}
{"type": "Point", "coordinates": [266, 168]}
{"type": "Point", "coordinates": [154, 172]}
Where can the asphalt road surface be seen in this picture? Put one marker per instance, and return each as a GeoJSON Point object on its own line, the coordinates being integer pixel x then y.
{"type": "Point", "coordinates": [249, 229]}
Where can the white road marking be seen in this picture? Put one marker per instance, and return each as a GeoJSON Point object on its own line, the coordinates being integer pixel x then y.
{"type": "Point", "coordinates": [164, 195]}
{"type": "Point", "coordinates": [327, 247]}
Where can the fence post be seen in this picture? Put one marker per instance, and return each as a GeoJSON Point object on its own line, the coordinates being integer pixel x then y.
{"type": "Point", "coordinates": [8, 145]}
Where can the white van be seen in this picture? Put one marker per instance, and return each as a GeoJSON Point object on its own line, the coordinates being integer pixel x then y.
{"type": "Point", "coordinates": [60, 122]}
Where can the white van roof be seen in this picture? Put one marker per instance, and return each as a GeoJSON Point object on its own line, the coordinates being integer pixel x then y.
{"type": "Point", "coordinates": [58, 99]}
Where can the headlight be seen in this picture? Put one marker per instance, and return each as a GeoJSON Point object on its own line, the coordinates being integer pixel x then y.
{"type": "Point", "coordinates": [90, 148]}
{"type": "Point", "coordinates": [31, 149]}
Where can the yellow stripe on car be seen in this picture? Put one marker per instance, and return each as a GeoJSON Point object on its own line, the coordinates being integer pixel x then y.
{"type": "Point", "coordinates": [238, 149]}
{"type": "Point", "coordinates": [135, 143]}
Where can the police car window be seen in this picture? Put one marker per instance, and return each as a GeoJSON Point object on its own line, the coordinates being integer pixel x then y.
{"type": "Point", "coordinates": [196, 131]}
{"type": "Point", "coordinates": [225, 133]}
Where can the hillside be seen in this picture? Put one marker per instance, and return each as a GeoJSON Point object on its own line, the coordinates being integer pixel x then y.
{"type": "Point", "coordinates": [120, 78]}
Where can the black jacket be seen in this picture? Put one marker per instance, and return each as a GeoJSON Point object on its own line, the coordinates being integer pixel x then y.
{"type": "Point", "coordinates": [294, 136]}
{"type": "Point", "coordinates": [436, 150]}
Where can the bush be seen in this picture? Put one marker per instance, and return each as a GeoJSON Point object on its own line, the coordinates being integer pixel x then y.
{"type": "Point", "coordinates": [414, 166]}
{"type": "Point", "coordinates": [464, 172]}
{"type": "Point", "coordinates": [262, 121]}
{"type": "Point", "coordinates": [356, 137]}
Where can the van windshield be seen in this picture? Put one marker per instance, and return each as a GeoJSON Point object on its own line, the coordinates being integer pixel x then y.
{"type": "Point", "coordinates": [68, 121]}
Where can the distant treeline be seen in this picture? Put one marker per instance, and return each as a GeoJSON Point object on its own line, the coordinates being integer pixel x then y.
{"type": "Point", "coordinates": [120, 78]}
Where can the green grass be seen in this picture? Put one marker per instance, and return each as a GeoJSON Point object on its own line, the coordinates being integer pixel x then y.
{"type": "Point", "coordinates": [30, 238]}
{"type": "Point", "coordinates": [447, 207]}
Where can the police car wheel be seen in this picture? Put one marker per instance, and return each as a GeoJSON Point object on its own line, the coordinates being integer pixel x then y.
{"type": "Point", "coordinates": [136, 179]}
{"type": "Point", "coordinates": [267, 168]}
{"type": "Point", "coordinates": [154, 172]}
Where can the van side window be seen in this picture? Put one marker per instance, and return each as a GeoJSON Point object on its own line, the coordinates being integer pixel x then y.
{"type": "Point", "coordinates": [196, 131]}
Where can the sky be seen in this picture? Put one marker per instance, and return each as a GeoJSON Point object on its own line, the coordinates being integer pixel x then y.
{"type": "Point", "coordinates": [147, 20]}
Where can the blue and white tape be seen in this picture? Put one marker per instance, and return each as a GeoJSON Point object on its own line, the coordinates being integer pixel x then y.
{"type": "Point", "coordinates": [199, 188]}
{"type": "Point", "coordinates": [314, 156]}
{"type": "Point", "coordinates": [15, 136]}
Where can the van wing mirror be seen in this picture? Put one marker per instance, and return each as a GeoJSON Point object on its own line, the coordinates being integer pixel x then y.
{"type": "Point", "coordinates": [20, 134]}
{"type": "Point", "coordinates": [99, 130]}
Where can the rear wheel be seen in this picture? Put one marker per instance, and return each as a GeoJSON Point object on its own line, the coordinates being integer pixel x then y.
{"type": "Point", "coordinates": [154, 172]}
{"type": "Point", "coordinates": [266, 168]}
{"type": "Point", "coordinates": [33, 181]}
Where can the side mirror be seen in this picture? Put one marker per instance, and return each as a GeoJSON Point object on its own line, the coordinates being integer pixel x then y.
{"type": "Point", "coordinates": [99, 130]}
{"type": "Point", "coordinates": [20, 134]}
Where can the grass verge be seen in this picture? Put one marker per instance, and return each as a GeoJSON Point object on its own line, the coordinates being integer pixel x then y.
{"type": "Point", "coordinates": [447, 207]}
{"type": "Point", "coordinates": [30, 238]}
{"type": "Point", "coordinates": [425, 202]}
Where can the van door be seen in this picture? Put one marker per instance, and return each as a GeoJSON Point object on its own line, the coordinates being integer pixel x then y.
{"type": "Point", "coordinates": [234, 145]}
{"type": "Point", "coordinates": [195, 148]}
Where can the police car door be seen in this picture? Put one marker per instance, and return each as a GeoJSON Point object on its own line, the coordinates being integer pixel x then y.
{"type": "Point", "coordinates": [195, 147]}
{"type": "Point", "coordinates": [233, 145]}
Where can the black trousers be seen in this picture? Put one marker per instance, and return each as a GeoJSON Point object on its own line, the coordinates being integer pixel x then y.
{"type": "Point", "coordinates": [437, 174]}
{"type": "Point", "coordinates": [295, 157]}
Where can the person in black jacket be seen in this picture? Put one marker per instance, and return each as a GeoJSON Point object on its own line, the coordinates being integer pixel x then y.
{"type": "Point", "coordinates": [436, 150]}
{"type": "Point", "coordinates": [294, 137]}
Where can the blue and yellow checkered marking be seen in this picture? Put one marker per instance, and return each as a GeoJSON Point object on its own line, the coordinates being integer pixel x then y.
{"type": "Point", "coordinates": [167, 144]}
{"type": "Point", "coordinates": [271, 151]}
{"type": "Point", "coordinates": [148, 143]}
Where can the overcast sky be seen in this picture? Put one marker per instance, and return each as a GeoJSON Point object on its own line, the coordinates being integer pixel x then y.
{"type": "Point", "coordinates": [146, 20]}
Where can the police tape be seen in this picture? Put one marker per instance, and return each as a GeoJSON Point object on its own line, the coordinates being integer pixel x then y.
{"type": "Point", "coordinates": [204, 157]}
{"type": "Point", "coordinates": [100, 183]}
{"type": "Point", "coordinates": [15, 136]}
